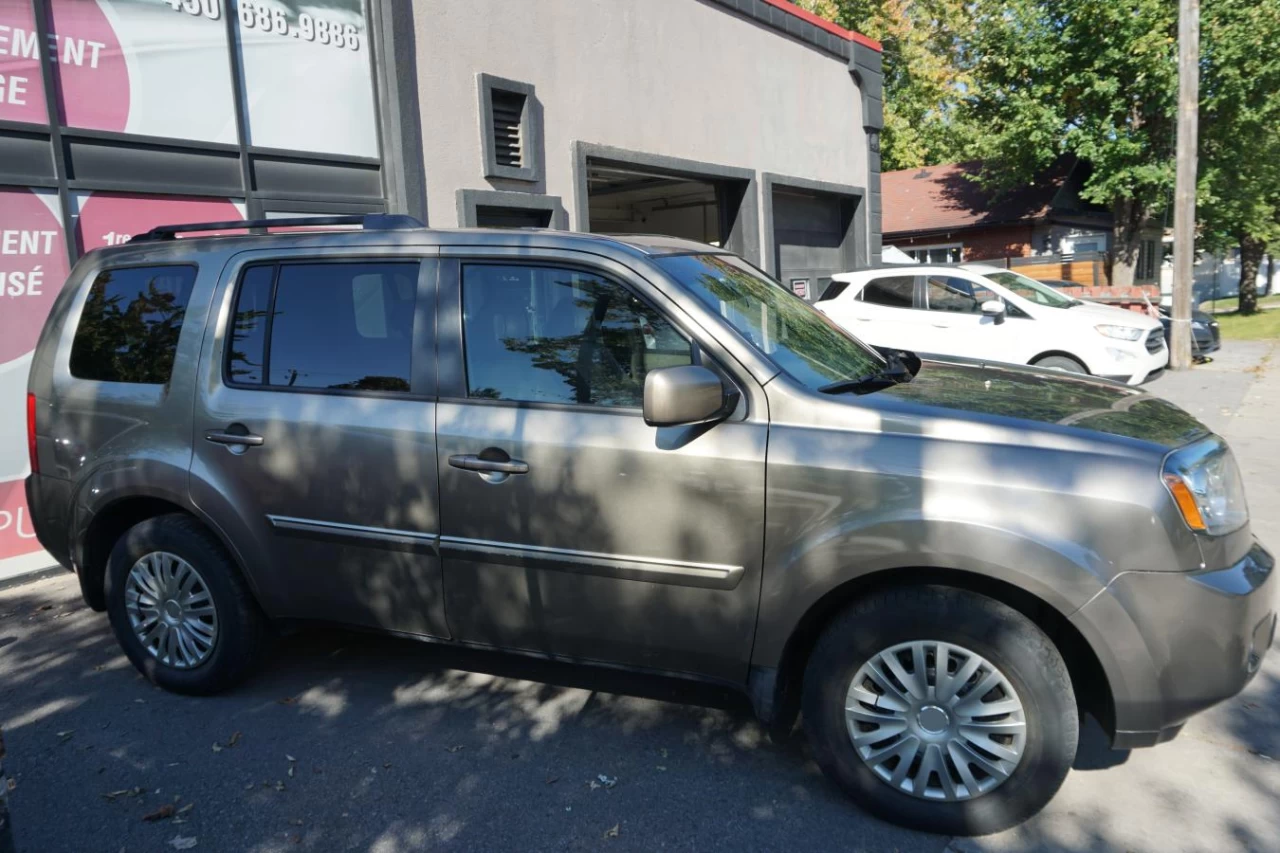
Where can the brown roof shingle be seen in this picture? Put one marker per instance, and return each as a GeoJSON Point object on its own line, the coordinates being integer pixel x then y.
{"type": "Point", "coordinates": [943, 198]}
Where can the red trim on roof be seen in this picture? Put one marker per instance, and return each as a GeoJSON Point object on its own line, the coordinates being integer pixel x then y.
{"type": "Point", "coordinates": [805, 15]}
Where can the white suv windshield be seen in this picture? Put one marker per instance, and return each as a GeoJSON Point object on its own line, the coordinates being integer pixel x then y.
{"type": "Point", "coordinates": [1031, 290]}
{"type": "Point", "coordinates": [787, 330]}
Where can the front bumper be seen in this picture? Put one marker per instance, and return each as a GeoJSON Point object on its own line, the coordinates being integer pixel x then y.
{"type": "Point", "coordinates": [1140, 366]}
{"type": "Point", "coordinates": [1175, 643]}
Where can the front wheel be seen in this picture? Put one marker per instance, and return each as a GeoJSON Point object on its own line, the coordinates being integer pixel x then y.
{"type": "Point", "coordinates": [1061, 362]}
{"type": "Point", "coordinates": [941, 709]}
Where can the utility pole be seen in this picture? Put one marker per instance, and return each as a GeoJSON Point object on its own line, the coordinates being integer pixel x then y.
{"type": "Point", "coordinates": [1184, 202]}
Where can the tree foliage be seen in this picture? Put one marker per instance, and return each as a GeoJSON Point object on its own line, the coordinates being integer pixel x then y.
{"type": "Point", "coordinates": [925, 73]}
{"type": "Point", "coordinates": [1239, 181]}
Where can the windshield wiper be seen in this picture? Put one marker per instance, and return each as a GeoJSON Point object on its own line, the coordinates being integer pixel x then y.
{"type": "Point", "coordinates": [895, 372]}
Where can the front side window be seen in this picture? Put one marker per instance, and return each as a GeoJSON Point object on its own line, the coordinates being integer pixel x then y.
{"type": "Point", "coordinates": [784, 328]}
{"type": "Point", "coordinates": [551, 335]}
{"type": "Point", "coordinates": [894, 291]}
{"type": "Point", "coordinates": [130, 324]}
{"type": "Point", "coordinates": [333, 326]}
{"type": "Point", "coordinates": [957, 295]}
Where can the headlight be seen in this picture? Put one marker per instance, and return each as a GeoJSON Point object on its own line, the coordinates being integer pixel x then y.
{"type": "Point", "coordinates": [1196, 324]}
{"type": "Point", "coordinates": [1124, 333]}
{"type": "Point", "coordinates": [1205, 484]}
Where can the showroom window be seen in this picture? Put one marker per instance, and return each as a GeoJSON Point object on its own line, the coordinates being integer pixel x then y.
{"type": "Point", "coordinates": [130, 324]}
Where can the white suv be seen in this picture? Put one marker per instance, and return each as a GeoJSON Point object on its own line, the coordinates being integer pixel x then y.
{"type": "Point", "coordinates": [985, 312]}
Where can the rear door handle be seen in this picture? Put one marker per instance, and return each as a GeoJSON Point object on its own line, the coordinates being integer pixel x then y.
{"type": "Point", "coordinates": [243, 440]}
{"type": "Point", "coordinates": [471, 462]}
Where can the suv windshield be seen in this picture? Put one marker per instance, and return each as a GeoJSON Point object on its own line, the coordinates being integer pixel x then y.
{"type": "Point", "coordinates": [786, 329]}
{"type": "Point", "coordinates": [1031, 290]}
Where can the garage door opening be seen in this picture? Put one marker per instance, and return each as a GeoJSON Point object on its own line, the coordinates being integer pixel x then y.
{"type": "Point", "coordinates": [813, 238]}
{"type": "Point", "coordinates": [625, 199]}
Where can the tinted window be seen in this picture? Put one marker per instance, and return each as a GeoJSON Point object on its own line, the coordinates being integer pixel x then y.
{"type": "Point", "coordinates": [834, 289]}
{"type": "Point", "coordinates": [957, 295]}
{"type": "Point", "coordinates": [129, 328]}
{"type": "Point", "coordinates": [541, 334]}
{"type": "Point", "coordinates": [249, 326]}
{"type": "Point", "coordinates": [893, 291]}
{"type": "Point", "coordinates": [784, 328]}
{"type": "Point", "coordinates": [341, 326]}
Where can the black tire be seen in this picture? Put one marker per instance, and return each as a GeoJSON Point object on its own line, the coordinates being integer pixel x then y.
{"type": "Point", "coordinates": [1061, 362]}
{"type": "Point", "coordinates": [1007, 639]}
{"type": "Point", "coordinates": [241, 633]}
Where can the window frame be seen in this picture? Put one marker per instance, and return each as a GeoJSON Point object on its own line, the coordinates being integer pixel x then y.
{"type": "Point", "coordinates": [420, 339]}
{"type": "Point", "coordinates": [454, 384]}
{"type": "Point", "coordinates": [97, 273]}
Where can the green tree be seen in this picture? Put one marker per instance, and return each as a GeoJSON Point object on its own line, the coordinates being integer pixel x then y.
{"type": "Point", "coordinates": [1095, 78]}
{"type": "Point", "coordinates": [925, 73]}
{"type": "Point", "coordinates": [1239, 180]}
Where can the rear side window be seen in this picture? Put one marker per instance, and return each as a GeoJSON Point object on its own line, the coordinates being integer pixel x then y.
{"type": "Point", "coordinates": [129, 328]}
{"type": "Point", "coordinates": [834, 289]}
{"type": "Point", "coordinates": [892, 291]}
{"type": "Point", "coordinates": [332, 326]}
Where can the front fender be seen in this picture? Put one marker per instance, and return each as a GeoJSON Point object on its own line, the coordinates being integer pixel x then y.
{"type": "Point", "coordinates": [1060, 573]}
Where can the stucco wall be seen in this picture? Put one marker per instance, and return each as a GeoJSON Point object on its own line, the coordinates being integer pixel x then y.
{"type": "Point", "coordinates": [680, 78]}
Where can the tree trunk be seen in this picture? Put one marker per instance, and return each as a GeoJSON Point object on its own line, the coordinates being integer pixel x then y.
{"type": "Point", "coordinates": [1251, 251]}
{"type": "Point", "coordinates": [1126, 241]}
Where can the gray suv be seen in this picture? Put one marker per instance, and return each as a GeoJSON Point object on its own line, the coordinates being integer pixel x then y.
{"type": "Point", "coordinates": [640, 452]}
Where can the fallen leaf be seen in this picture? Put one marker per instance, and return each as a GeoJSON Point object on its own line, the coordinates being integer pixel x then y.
{"type": "Point", "coordinates": [592, 785]}
{"type": "Point", "coordinates": [233, 740]}
{"type": "Point", "coordinates": [288, 757]}
{"type": "Point", "coordinates": [612, 832]}
{"type": "Point", "coordinates": [11, 784]}
{"type": "Point", "coordinates": [387, 766]}
{"type": "Point", "coordinates": [165, 811]}
{"type": "Point", "coordinates": [179, 842]}
{"type": "Point", "coordinates": [44, 607]}
{"type": "Point", "coordinates": [662, 767]}
{"type": "Point", "coordinates": [663, 752]}
{"type": "Point", "coordinates": [188, 807]}
{"type": "Point", "coordinates": [607, 781]}
{"type": "Point", "coordinates": [457, 748]}
{"type": "Point", "coordinates": [68, 733]}
{"type": "Point", "coordinates": [551, 780]}
{"type": "Point", "coordinates": [288, 700]}
{"type": "Point", "coordinates": [279, 785]}
{"type": "Point", "coordinates": [290, 771]}
{"type": "Point", "coordinates": [217, 747]}
{"type": "Point", "coordinates": [140, 701]}
{"type": "Point", "coordinates": [249, 787]}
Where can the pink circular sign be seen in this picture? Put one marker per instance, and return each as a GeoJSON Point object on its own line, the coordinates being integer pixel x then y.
{"type": "Point", "coordinates": [33, 266]}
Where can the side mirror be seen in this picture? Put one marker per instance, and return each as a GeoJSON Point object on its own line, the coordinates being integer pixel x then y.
{"type": "Point", "coordinates": [994, 308]}
{"type": "Point", "coordinates": [690, 394]}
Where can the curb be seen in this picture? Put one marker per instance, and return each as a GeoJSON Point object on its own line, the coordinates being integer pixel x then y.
{"type": "Point", "coordinates": [31, 577]}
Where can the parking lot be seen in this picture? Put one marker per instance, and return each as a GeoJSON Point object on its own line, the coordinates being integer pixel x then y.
{"type": "Point", "coordinates": [352, 742]}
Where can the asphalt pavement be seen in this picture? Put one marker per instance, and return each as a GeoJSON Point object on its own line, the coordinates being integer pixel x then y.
{"type": "Point", "coordinates": [354, 742]}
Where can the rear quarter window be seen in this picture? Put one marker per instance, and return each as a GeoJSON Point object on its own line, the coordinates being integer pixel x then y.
{"type": "Point", "coordinates": [130, 324]}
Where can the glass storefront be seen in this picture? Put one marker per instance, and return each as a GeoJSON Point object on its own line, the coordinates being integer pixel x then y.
{"type": "Point", "coordinates": [164, 111]}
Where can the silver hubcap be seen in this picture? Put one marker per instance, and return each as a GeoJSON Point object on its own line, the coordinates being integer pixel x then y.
{"type": "Point", "coordinates": [171, 610]}
{"type": "Point", "coordinates": [936, 720]}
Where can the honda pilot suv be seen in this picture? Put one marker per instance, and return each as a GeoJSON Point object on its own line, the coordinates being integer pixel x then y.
{"type": "Point", "coordinates": [640, 452]}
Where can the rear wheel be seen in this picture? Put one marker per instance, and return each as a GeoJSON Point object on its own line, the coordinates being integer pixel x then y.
{"type": "Point", "coordinates": [180, 608]}
{"type": "Point", "coordinates": [941, 709]}
{"type": "Point", "coordinates": [1061, 362]}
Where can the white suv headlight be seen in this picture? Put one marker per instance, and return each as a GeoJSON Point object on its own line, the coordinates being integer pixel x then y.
{"type": "Point", "coordinates": [1124, 333]}
{"type": "Point", "coordinates": [1205, 483]}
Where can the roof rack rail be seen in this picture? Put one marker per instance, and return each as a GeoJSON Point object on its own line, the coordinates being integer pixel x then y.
{"type": "Point", "coordinates": [368, 221]}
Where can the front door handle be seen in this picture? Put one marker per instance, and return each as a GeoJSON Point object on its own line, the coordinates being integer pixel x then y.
{"type": "Point", "coordinates": [245, 439]}
{"type": "Point", "coordinates": [472, 462]}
